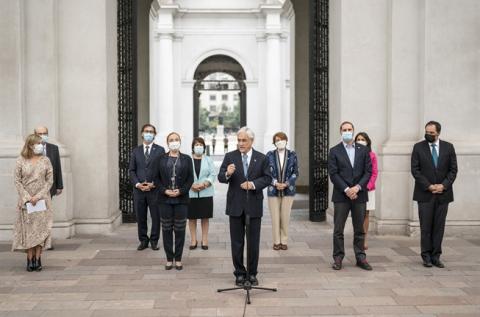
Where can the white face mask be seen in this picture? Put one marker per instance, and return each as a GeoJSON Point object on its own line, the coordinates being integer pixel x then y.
{"type": "Point", "coordinates": [174, 145]}
{"type": "Point", "coordinates": [281, 145]}
{"type": "Point", "coordinates": [198, 149]}
{"type": "Point", "coordinates": [364, 143]}
{"type": "Point", "coordinates": [38, 149]}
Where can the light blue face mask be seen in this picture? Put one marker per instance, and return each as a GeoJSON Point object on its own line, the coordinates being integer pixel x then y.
{"type": "Point", "coordinates": [148, 137]}
{"type": "Point", "coordinates": [44, 138]}
{"type": "Point", "coordinates": [198, 150]}
{"type": "Point", "coordinates": [347, 136]}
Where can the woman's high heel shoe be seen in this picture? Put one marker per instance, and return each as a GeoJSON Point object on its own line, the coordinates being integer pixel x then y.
{"type": "Point", "coordinates": [30, 267]}
{"type": "Point", "coordinates": [38, 266]}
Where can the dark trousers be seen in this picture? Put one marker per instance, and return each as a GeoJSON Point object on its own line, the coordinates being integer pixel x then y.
{"type": "Point", "coordinates": [174, 220]}
{"type": "Point", "coordinates": [340, 216]}
{"type": "Point", "coordinates": [142, 202]}
{"type": "Point", "coordinates": [237, 237]}
{"type": "Point", "coordinates": [432, 216]}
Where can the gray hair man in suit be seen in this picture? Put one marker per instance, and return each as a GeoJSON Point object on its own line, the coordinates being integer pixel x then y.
{"type": "Point", "coordinates": [51, 151]}
{"type": "Point", "coordinates": [350, 168]}
{"type": "Point", "coordinates": [246, 172]}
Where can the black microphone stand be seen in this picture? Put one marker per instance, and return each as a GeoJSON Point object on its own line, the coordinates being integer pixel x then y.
{"type": "Point", "coordinates": [247, 285]}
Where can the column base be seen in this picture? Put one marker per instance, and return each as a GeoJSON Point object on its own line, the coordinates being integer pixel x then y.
{"type": "Point", "coordinates": [67, 229]}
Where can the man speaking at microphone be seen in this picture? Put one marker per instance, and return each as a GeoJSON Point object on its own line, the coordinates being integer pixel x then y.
{"type": "Point", "coordinates": [247, 172]}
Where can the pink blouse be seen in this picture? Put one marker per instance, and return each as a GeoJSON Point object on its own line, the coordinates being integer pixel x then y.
{"type": "Point", "coordinates": [373, 178]}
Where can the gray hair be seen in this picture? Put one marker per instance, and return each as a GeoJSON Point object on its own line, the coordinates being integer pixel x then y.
{"type": "Point", "coordinates": [248, 131]}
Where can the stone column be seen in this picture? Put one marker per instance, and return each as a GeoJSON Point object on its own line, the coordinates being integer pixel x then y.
{"type": "Point", "coordinates": [162, 106]}
{"type": "Point", "coordinates": [32, 70]}
{"type": "Point", "coordinates": [273, 73]}
{"type": "Point", "coordinates": [395, 208]}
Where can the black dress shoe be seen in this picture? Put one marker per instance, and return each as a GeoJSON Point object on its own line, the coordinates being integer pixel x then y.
{"type": "Point", "coordinates": [154, 246]}
{"type": "Point", "coordinates": [337, 265]}
{"type": "Point", "coordinates": [38, 264]}
{"type": "Point", "coordinates": [253, 280]}
{"type": "Point", "coordinates": [427, 263]}
{"type": "Point", "coordinates": [363, 264]}
{"type": "Point", "coordinates": [178, 267]}
{"type": "Point", "coordinates": [239, 280]}
{"type": "Point", "coordinates": [168, 267]}
{"type": "Point", "coordinates": [142, 246]}
{"type": "Point", "coordinates": [438, 264]}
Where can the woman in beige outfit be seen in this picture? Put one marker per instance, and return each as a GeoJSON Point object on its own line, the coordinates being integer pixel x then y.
{"type": "Point", "coordinates": [33, 180]}
{"type": "Point", "coordinates": [284, 168]}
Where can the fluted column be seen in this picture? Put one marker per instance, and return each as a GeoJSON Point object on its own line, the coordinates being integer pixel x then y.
{"type": "Point", "coordinates": [162, 106]}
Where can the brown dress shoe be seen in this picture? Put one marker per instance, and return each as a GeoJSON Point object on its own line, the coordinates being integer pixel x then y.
{"type": "Point", "coordinates": [276, 247]}
{"type": "Point", "coordinates": [283, 247]}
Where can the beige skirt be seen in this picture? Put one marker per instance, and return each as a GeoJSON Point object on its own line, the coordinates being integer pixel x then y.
{"type": "Point", "coordinates": [371, 200]}
{"type": "Point", "coordinates": [31, 230]}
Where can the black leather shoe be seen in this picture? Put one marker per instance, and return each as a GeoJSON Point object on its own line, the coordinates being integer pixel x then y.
{"type": "Point", "coordinates": [253, 280]}
{"type": "Point", "coordinates": [193, 246]}
{"type": "Point", "coordinates": [427, 263]}
{"type": "Point", "coordinates": [178, 267]}
{"type": "Point", "coordinates": [142, 246]}
{"type": "Point", "coordinates": [38, 266]}
{"type": "Point", "coordinates": [168, 267]}
{"type": "Point", "coordinates": [363, 264]}
{"type": "Point", "coordinates": [239, 280]}
{"type": "Point", "coordinates": [204, 247]}
{"type": "Point", "coordinates": [337, 265]}
{"type": "Point", "coordinates": [438, 264]}
{"type": "Point", "coordinates": [154, 246]}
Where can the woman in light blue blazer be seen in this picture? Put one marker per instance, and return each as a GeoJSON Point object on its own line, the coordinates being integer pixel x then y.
{"type": "Point", "coordinates": [201, 193]}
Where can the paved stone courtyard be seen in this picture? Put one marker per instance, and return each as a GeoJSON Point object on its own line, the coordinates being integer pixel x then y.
{"type": "Point", "coordinates": [106, 276]}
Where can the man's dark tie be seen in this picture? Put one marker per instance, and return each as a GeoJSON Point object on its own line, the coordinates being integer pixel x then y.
{"type": "Point", "coordinates": [147, 153]}
{"type": "Point", "coordinates": [434, 154]}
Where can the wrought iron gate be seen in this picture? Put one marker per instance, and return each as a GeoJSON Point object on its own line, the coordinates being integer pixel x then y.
{"type": "Point", "coordinates": [318, 109]}
{"type": "Point", "coordinates": [127, 99]}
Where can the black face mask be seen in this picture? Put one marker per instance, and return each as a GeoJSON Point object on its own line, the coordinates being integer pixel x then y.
{"type": "Point", "coordinates": [430, 138]}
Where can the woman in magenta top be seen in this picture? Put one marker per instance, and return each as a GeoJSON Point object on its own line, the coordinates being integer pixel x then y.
{"type": "Point", "coordinates": [363, 139]}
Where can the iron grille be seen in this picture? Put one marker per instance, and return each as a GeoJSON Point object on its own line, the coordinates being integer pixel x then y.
{"type": "Point", "coordinates": [127, 99]}
{"type": "Point", "coordinates": [318, 109]}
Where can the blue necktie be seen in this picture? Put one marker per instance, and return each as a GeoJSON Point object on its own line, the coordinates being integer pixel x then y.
{"type": "Point", "coordinates": [434, 154]}
{"type": "Point", "coordinates": [245, 164]}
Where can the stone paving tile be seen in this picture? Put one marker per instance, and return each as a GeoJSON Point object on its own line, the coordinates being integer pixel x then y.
{"type": "Point", "coordinates": [105, 276]}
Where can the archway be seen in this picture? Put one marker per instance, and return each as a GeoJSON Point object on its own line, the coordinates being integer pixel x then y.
{"type": "Point", "coordinates": [219, 102]}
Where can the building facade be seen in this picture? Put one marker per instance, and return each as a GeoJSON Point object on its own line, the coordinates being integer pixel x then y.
{"type": "Point", "coordinates": [392, 66]}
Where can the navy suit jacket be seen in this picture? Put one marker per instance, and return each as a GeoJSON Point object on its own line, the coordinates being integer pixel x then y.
{"type": "Point", "coordinates": [343, 175]}
{"type": "Point", "coordinates": [426, 174]}
{"type": "Point", "coordinates": [139, 168]}
{"type": "Point", "coordinates": [54, 155]}
{"type": "Point", "coordinates": [163, 174]}
{"type": "Point", "coordinates": [258, 173]}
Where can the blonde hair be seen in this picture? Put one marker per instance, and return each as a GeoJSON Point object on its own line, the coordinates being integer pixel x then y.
{"type": "Point", "coordinates": [30, 141]}
{"type": "Point", "coordinates": [173, 133]}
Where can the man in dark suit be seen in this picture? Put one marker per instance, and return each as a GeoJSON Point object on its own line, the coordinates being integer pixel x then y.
{"type": "Point", "coordinates": [247, 172]}
{"type": "Point", "coordinates": [51, 151]}
{"type": "Point", "coordinates": [350, 168]}
{"type": "Point", "coordinates": [145, 193]}
{"type": "Point", "coordinates": [434, 167]}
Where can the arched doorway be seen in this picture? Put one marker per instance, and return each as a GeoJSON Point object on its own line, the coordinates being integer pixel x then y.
{"type": "Point", "coordinates": [219, 102]}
